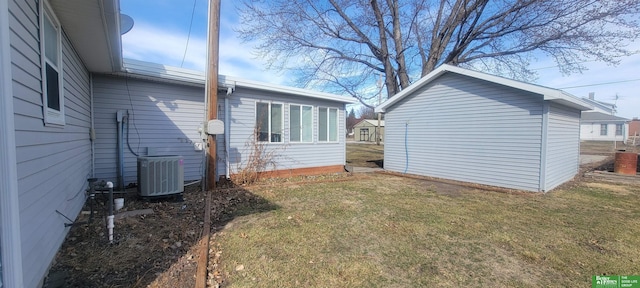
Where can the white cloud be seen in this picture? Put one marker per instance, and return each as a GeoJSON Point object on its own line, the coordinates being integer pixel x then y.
{"type": "Point", "coordinates": [148, 43]}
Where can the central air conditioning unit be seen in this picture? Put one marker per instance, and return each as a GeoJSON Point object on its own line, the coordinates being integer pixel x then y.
{"type": "Point", "coordinates": [160, 175]}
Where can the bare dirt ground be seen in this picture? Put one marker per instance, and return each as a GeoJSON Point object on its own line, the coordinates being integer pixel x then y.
{"type": "Point", "coordinates": [153, 250]}
{"type": "Point", "coordinates": [604, 147]}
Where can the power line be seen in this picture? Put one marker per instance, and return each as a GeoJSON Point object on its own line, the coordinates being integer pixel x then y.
{"type": "Point", "coordinates": [557, 66]}
{"type": "Point", "coordinates": [193, 11]}
{"type": "Point", "coordinates": [599, 84]}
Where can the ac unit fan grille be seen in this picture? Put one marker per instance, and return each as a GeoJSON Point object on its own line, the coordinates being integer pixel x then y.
{"type": "Point", "coordinates": [160, 175]}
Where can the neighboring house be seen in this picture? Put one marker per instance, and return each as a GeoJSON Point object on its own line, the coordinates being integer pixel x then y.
{"type": "Point", "coordinates": [62, 83]}
{"type": "Point", "coordinates": [600, 106]}
{"type": "Point", "coordinates": [598, 126]}
{"type": "Point", "coordinates": [365, 130]}
{"type": "Point", "coordinates": [470, 126]}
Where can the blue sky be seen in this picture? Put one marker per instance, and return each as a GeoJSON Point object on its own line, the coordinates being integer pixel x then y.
{"type": "Point", "coordinates": [161, 32]}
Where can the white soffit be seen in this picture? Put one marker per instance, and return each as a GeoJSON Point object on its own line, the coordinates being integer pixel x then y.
{"type": "Point", "coordinates": [93, 28]}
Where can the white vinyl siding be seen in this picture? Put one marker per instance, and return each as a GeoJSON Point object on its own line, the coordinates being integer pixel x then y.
{"type": "Point", "coordinates": [590, 130]}
{"type": "Point", "coordinates": [52, 78]}
{"type": "Point", "coordinates": [300, 123]}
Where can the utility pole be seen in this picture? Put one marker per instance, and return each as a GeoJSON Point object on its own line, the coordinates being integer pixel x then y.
{"type": "Point", "coordinates": [213, 43]}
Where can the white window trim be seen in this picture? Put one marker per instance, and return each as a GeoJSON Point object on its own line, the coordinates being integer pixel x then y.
{"type": "Point", "coordinates": [328, 128]}
{"type": "Point", "coordinates": [312, 124]}
{"type": "Point", "coordinates": [621, 129]}
{"type": "Point", "coordinates": [606, 129]}
{"type": "Point", "coordinates": [51, 116]}
{"type": "Point", "coordinates": [281, 121]}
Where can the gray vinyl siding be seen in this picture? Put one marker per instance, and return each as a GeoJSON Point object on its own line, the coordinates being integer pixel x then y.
{"type": "Point", "coordinates": [466, 129]}
{"type": "Point", "coordinates": [53, 162]}
{"type": "Point", "coordinates": [563, 145]}
{"type": "Point", "coordinates": [163, 118]}
{"type": "Point", "coordinates": [288, 155]}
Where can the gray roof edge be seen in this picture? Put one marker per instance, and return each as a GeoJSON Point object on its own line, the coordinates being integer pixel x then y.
{"type": "Point", "coordinates": [373, 122]}
{"type": "Point", "coordinates": [601, 117]}
{"type": "Point", "coordinates": [550, 94]}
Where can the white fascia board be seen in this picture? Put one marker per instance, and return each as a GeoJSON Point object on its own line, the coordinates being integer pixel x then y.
{"type": "Point", "coordinates": [551, 94]}
{"type": "Point", "coordinates": [289, 90]}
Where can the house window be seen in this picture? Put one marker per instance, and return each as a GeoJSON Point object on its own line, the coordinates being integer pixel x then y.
{"type": "Point", "coordinates": [619, 129]}
{"type": "Point", "coordinates": [300, 123]}
{"type": "Point", "coordinates": [603, 129]}
{"type": "Point", "coordinates": [269, 122]}
{"type": "Point", "coordinates": [327, 124]}
{"type": "Point", "coordinates": [51, 61]}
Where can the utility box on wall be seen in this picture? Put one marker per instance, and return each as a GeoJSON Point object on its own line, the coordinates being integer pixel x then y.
{"type": "Point", "coordinates": [160, 175]}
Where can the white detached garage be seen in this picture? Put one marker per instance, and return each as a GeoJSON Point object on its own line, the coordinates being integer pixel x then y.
{"type": "Point", "coordinates": [475, 127]}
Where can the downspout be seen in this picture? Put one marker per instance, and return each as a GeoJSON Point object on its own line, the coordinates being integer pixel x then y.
{"type": "Point", "coordinates": [227, 133]}
{"type": "Point", "coordinates": [92, 131]}
{"type": "Point", "coordinates": [10, 243]}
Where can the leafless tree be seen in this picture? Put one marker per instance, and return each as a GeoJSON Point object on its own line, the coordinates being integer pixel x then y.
{"type": "Point", "coordinates": [366, 112]}
{"type": "Point", "coordinates": [343, 44]}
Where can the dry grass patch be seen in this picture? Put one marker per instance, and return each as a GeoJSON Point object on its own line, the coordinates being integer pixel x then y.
{"type": "Point", "coordinates": [618, 189]}
{"type": "Point", "coordinates": [365, 155]}
{"type": "Point", "coordinates": [389, 231]}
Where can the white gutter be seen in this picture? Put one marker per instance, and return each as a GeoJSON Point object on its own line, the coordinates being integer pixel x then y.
{"type": "Point", "coordinates": [227, 133]}
{"type": "Point", "coordinates": [92, 130]}
{"type": "Point", "coordinates": [110, 10]}
{"type": "Point", "coordinates": [10, 246]}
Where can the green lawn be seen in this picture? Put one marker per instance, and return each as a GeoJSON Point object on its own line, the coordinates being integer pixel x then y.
{"type": "Point", "coordinates": [380, 230]}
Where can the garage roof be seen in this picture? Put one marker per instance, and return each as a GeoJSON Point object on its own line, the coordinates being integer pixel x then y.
{"type": "Point", "coordinates": [550, 94]}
